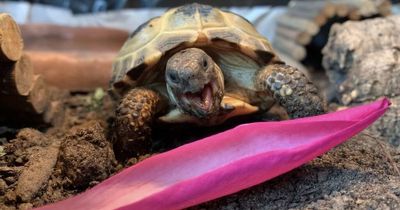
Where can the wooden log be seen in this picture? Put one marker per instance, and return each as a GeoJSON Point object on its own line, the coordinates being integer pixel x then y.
{"type": "Point", "coordinates": [75, 71]}
{"type": "Point", "coordinates": [385, 8]}
{"type": "Point", "coordinates": [71, 57]}
{"type": "Point", "coordinates": [342, 10]}
{"type": "Point", "coordinates": [366, 8]}
{"type": "Point", "coordinates": [18, 78]}
{"type": "Point", "coordinates": [323, 7]}
{"type": "Point", "coordinates": [10, 40]}
{"type": "Point", "coordinates": [300, 37]}
{"type": "Point", "coordinates": [315, 16]}
{"type": "Point", "coordinates": [298, 24]}
{"type": "Point", "coordinates": [39, 95]}
{"type": "Point", "coordinates": [354, 14]}
{"type": "Point", "coordinates": [290, 48]}
{"type": "Point", "coordinates": [25, 98]}
{"type": "Point", "coordinates": [44, 105]}
{"type": "Point", "coordinates": [55, 113]}
{"type": "Point", "coordinates": [34, 102]}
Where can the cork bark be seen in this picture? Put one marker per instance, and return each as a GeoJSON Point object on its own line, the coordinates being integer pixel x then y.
{"type": "Point", "coordinates": [362, 62]}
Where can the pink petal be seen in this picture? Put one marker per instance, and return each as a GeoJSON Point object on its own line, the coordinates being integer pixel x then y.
{"type": "Point", "coordinates": [224, 163]}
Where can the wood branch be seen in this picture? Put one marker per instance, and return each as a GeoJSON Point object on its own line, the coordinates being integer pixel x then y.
{"type": "Point", "coordinates": [18, 78]}
{"type": "Point", "coordinates": [298, 24]}
{"type": "Point", "coordinates": [290, 48]}
{"type": "Point", "coordinates": [300, 37]}
{"type": "Point", "coordinates": [10, 40]}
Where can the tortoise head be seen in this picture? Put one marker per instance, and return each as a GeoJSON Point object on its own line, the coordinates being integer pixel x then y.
{"type": "Point", "coordinates": [195, 83]}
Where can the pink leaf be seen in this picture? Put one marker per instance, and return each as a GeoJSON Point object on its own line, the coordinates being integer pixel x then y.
{"type": "Point", "coordinates": [224, 163]}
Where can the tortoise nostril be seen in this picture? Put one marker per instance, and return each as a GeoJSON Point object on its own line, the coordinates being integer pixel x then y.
{"type": "Point", "coordinates": [205, 64]}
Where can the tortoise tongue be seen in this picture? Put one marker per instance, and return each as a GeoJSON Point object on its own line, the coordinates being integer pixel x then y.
{"type": "Point", "coordinates": [202, 99]}
{"type": "Point", "coordinates": [206, 97]}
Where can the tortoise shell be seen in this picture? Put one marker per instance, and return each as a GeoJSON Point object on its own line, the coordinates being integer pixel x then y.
{"type": "Point", "coordinates": [143, 57]}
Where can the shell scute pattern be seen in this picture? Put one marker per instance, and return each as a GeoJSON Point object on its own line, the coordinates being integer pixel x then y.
{"type": "Point", "coordinates": [192, 25]}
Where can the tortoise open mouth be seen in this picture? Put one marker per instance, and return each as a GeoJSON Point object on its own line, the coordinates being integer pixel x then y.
{"type": "Point", "coordinates": [203, 99]}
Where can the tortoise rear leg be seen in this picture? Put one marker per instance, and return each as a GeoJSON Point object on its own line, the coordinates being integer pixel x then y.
{"type": "Point", "coordinates": [291, 89]}
{"type": "Point", "coordinates": [133, 118]}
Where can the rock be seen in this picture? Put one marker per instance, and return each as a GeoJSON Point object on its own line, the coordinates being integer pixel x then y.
{"type": "Point", "coordinates": [25, 206]}
{"type": "Point", "coordinates": [389, 125]}
{"type": "Point", "coordinates": [363, 64]}
{"type": "Point", "coordinates": [10, 180]}
{"type": "Point", "coordinates": [36, 172]}
{"type": "Point", "coordinates": [86, 155]}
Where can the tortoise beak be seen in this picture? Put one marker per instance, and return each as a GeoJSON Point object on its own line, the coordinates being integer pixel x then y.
{"type": "Point", "coordinates": [202, 99]}
{"type": "Point", "coordinates": [205, 102]}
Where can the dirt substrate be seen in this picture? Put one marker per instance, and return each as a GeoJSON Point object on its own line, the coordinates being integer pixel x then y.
{"type": "Point", "coordinates": [42, 167]}
{"type": "Point", "coordinates": [356, 175]}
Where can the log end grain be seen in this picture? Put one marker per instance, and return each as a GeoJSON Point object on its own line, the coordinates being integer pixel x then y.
{"type": "Point", "coordinates": [11, 43]}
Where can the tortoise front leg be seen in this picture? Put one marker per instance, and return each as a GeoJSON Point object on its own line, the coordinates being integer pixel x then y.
{"type": "Point", "coordinates": [291, 89]}
{"type": "Point", "coordinates": [133, 118]}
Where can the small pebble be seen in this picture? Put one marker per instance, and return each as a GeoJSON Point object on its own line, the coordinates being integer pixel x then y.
{"type": "Point", "coordinates": [19, 160]}
{"type": "Point", "coordinates": [354, 94]}
{"type": "Point", "coordinates": [346, 99]}
{"type": "Point", "coordinates": [10, 180]}
{"type": "Point", "coordinates": [10, 196]}
{"type": "Point", "coordinates": [25, 206]}
{"type": "Point", "coordinates": [366, 88]}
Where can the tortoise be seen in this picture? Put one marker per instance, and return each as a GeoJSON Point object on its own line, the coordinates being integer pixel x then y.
{"type": "Point", "coordinates": [199, 64]}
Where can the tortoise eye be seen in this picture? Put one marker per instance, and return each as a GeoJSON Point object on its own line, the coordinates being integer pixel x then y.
{"type": "Point", "coordinates": [173, 77]}
{"type": "Point", "coordinates": [204, 64]}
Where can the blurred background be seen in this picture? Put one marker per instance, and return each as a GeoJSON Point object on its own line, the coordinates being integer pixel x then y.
{"type": "Point", "coordinates": [74, 38]}
{"type": "Point", "coordinates": [71, 44]}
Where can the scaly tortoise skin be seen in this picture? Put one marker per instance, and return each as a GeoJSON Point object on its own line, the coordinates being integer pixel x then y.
{"type": "Point", "coordinates": [199, 64]}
